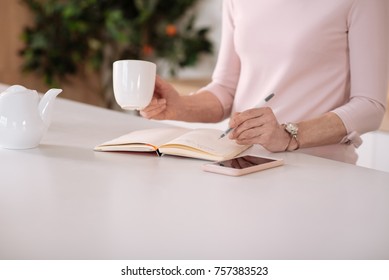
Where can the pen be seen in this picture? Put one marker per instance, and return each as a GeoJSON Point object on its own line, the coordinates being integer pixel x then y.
{"type": "Point", "coordinates": [260, 104]}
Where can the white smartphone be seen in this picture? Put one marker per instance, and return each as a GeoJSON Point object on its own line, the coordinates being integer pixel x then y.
{"type": "Point", "coordinates": [242, 165]}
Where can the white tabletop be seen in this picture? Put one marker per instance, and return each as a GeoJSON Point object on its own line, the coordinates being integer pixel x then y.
{"type": "Point", "coordinates": [62, 200]}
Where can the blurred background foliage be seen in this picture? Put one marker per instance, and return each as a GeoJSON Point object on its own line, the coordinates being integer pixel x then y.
{"type": "Point", "coordinates": [67, 36]}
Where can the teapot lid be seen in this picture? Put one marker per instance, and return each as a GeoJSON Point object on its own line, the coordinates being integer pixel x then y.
{"type": "Point", "coordinates": [16, 88]}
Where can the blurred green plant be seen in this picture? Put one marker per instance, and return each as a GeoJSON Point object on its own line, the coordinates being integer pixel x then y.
{"type": "Point", "coordinates": [67, 35]}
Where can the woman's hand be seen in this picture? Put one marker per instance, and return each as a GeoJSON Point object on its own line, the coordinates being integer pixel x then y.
{"type": "Point", "coordinates": [259, 126]}
{"type": "Point", "coordinates": [165, 102]}
{"type": "Point", "coordinates": [168, 104]}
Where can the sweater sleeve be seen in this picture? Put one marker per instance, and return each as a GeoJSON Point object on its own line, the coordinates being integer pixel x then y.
{"type": "Point", "coordinates": [368, 51]}
{"type": "Point", "coordinates": [227, 70]}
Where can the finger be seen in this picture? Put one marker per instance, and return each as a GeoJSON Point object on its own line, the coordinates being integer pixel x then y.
{"type": "Point", "coordinates": [265, 113]}
{"type": "Point", "coordinates": [246, 115]}
{"type": "Point", "coordinates": [251, 133]}
{"type": "Point", "coordinates": [248, 125]}
{"type": "Point", "coordinates": [155, 102]}
{"type": "Point", "coordinates": [153, 113]}
{"type": "Point", "coordinates": [251, 141]}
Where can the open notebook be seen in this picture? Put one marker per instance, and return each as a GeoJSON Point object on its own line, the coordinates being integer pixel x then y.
{"type": "Point", "coordinates": [195, 143]}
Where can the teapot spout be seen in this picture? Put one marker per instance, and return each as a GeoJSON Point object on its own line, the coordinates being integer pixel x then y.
{"type": "Point", "coordinates": [46, 105]}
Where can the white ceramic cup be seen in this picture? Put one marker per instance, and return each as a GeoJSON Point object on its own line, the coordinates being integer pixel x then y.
{"type": "Point", "coordinates": [133, 83]}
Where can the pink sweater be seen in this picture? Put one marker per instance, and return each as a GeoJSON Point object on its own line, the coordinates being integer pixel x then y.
{"type": "Point", "coordinates": [315, 55]}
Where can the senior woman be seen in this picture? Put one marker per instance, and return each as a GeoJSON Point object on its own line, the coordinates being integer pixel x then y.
{"type": "Point", "coordinates": [325, 60]}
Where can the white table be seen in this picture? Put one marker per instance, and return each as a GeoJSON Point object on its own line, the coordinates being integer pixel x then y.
{"type": "Point", "coordinates": [374, 152]}
{"type": "Point", "coordinates": [65, 201]}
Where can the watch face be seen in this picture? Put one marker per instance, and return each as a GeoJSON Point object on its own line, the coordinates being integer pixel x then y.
{"type": "Point", "coordinates": [291, 128]}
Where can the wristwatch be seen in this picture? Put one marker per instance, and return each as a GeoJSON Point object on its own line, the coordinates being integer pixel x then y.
{"type": "Point", "coordinates": [292, 129]}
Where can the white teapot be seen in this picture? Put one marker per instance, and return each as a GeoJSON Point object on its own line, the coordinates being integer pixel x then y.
{"type": "Point", "coordinates": [24, 117]}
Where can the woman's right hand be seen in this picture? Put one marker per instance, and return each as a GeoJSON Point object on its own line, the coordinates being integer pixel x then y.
{"type": "Point", "coordinates": [164, 104]}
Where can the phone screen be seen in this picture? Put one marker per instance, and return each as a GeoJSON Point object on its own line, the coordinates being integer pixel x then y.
{"type": "Point", "coordinates": [244, 162]}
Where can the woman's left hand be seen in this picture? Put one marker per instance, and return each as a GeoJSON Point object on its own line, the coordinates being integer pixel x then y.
{"type": "Point", "coordinates": [259, 126]}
